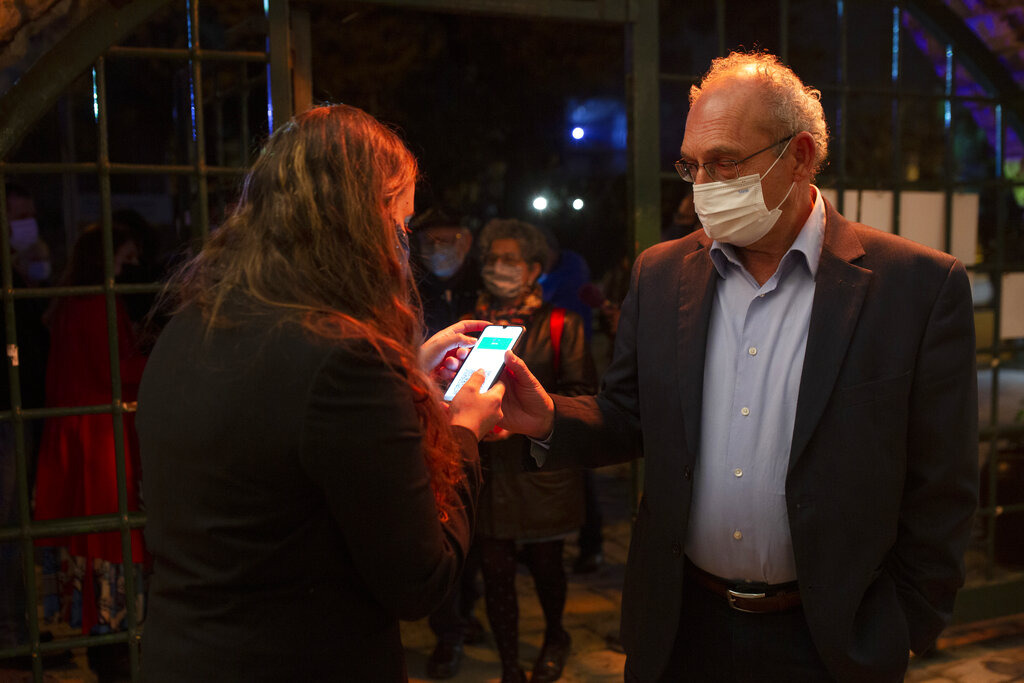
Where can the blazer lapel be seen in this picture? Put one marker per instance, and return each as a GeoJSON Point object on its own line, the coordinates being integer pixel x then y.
{"type": "Point", "coordinates": [838, 295]}
{"type": "Point", "coordinates": [696, 296]}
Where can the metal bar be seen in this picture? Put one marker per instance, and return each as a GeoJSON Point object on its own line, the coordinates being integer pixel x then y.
{"type": "Point", "coordinates": [842, 76]}
{"type": "Point", "coordinates": [67, 644]}
{"type": "Point", "coordinates": [605, 11]}
{"type": "Point", "coordinates": [896, 76]}
{"type": "Point", "coordinates": [72, 526]}
{"type": "Point", "coordinates": [784, 31]}
{"type": "Point", "coordinates": [203, 198]}
{"type": "Point", "coordinates": [185, 54]}
{"type": "Point", "coordinates": [20, 457]}
{"type": "Point", "coordinates": [107, 224]}
{"type": "Point", "coordinates": [302, 49]}
{"type": "Point", "coordinates": [116, 168]}
{"type": "Point", "coordinates": [37, 89]}
{"type": "Point", "coordinates": [949, 157]}
{"type": "Point", "coordinates": [43, 413]}
{"type": "Point", "coordinates": [280, 86]}
{"type": "Point", "coordinates": [720, 26]}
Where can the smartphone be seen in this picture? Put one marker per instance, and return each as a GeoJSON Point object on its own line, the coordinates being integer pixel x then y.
{"type": "Point", "coordinates": [489, 354]}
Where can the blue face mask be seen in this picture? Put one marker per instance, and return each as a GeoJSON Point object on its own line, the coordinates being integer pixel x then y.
{"type": "Point", "coordinates": [403, 241]}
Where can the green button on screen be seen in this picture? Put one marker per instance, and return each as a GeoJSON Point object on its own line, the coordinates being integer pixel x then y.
{"type": "Point", "coordinates": [494, 343]}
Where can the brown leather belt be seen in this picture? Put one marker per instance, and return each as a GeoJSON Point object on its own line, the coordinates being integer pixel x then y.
{"type": "Point", "coordinates": [756, 598]}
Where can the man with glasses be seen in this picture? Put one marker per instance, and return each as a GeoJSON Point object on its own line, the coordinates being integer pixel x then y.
{"type": "Point", "coordinates": [803, 391]}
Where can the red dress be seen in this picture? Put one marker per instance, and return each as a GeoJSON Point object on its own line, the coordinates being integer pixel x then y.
{"type": "Point", "coordinates": [77, 474]}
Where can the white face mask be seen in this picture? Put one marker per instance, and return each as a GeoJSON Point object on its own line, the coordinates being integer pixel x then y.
{"type": "Point", "coordinates": [503, 281]}
{"type": "Point", "coordinates": [733, 211]}
{"type": "Point", "coordinates": [24, 233]}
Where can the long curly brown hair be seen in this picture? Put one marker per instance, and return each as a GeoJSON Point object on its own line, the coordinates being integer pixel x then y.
{"type": "Point", "coordinates": [312, 238]}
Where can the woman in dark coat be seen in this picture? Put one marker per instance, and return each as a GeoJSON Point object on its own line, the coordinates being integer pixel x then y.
{"type": "Point", "coordinates": [305, 487]}
{"type": "Point", "coordinates": [531, 510]}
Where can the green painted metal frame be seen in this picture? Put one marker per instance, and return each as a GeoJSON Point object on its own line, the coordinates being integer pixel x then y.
{"type": "Point", "coordinates": [90, 44]}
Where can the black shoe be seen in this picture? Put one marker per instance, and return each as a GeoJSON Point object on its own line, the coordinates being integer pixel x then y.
{"type": "Point", "coordinates": [445, 659]}
{"type": "Point", "coordinates": [587, 563]}
{"type": "Point", "coordinates": [552, 659]}
{"type": "Point", "coordinates": [473, 631]}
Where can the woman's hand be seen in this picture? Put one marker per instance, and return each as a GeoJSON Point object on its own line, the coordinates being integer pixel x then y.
{"type": "Point", "coordinates": [475, 411]}
{"type": "Point", "coordinates": [527, 408]}
{"type": "Point", "coordinates": [434, 353]}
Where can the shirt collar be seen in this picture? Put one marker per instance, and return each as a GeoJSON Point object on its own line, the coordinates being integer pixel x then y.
{"type": "Point", "coordinates": [808, 241]}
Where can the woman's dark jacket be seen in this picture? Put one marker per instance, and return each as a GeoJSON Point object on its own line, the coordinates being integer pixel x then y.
{"type": "Point", "coordinates": [290, 513]}
{"type": "Point", "coordinates": [537, 505]}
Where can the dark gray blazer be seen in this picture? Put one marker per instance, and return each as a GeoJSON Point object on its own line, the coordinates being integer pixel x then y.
{"type": "Point", "coordinates": [882, 479]}
{"type": "Point", "coordinates": [290, 513]}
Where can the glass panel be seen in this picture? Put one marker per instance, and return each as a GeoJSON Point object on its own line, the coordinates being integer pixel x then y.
{"type": "Point", "coordinates": [814, 42]}
{"type": "Point", "coordinates": [67, 132]}
{"type": "Point", "coordinates": [689, 38]}
{"type": "Point", "coordinates": [237, 26]}
{"type": "Point", "coordinates": [166, 29]}
{"type": "Point", "coordinates": [150, 98]}
{"type": "Point", "coordinates": [975, 140]}
{"type": "Point", "coordinates": [752, 24]}
{"type": "Point", "coordinates": [869, 139]}
{"type": "Point", "coordinates": [922, 57]}
{"type": "Point", "coordinates": [922, 123]}
{"type": "Point", "coordinates": [870, 62]}
{"type": "Point", "coordinates": [234, 105]}
{"type": "Point", "coordinates": [674, 108]}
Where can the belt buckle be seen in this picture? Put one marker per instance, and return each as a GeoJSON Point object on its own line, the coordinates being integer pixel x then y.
{"type": "Point", "coordinates": [732, 595]}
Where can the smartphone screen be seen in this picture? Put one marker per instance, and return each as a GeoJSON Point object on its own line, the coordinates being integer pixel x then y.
{"type": "Point", "coordinates": [489, 354]}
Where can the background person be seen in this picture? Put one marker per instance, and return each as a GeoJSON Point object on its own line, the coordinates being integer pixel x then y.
{"type": "Point", "coordinates": [449, 278]}
{"type": "Point", "coordinates": [803, 392]}
{"type": "Point", "coordinates": [448, 284]}
{"type": "Point", "coordinates": [305, 488]}
{"type": "Point", "coordinates": [536, 510]}
{"type": "Point", "coordinates": [83, 575]}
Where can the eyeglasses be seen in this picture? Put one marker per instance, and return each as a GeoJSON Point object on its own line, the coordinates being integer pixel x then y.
{"type": "Point", "coordinates": [429, 242]}
{"type": "Point", "coordinates": [720, 169]}
{"type": "Point", "coordinates": [507, 259]}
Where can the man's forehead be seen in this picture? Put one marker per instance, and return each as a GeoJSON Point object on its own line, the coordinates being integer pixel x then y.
{"type": "Point", "coordinates": [724, 120]}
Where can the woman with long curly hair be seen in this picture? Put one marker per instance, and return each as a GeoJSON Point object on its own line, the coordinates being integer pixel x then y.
{"type": "Point", "coordinates": [305, 485]}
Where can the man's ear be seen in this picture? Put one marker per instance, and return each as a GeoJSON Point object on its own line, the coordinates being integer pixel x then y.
{"type": "Point", "coordinates": [804, 152]}
{"type": "Point", "coordinates": [466, 243]}
{"type": "Point", "coordinates": [534, 271]}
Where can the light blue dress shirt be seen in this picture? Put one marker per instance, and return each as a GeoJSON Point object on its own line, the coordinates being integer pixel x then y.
{"type": "Point", "coordinates": [738, 526]}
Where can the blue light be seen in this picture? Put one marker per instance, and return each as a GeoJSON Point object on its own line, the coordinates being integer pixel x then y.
{"type": "Point", "coordinates": [540, 203]}
{"type": "Point", "coordinates": [95, 98]}
{"type": "Point", "coordinates": [577, 133]}
{"type": "Point", "coordinates": [895, 74]}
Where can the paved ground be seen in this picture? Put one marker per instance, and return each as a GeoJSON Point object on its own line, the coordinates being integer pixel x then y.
{"type": "Point", "coordinates": [987, 652]}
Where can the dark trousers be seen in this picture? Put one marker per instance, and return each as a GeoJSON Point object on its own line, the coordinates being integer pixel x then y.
{"type": "Point", "coordinates": [449, 620]}
{"type": "Point", "coordinates": [716, 643]}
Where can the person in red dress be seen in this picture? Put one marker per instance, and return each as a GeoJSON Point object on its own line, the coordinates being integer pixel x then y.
{"type": "Point", "coordinates": [77, 474]}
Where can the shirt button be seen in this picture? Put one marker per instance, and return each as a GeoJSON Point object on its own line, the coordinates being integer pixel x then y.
{"type": "Point", "coordinates": [738, 472]}
{"type": "Point", "coordinates": [737, 534]}
{"type": "Point", "coordinates": [744, 411]}
{"type": "Point", "coordinates": [752, 350]}
{"type": "Point", "coordinates": [677, 550]}
{"type": "Point", "coordinates": [687, 472]}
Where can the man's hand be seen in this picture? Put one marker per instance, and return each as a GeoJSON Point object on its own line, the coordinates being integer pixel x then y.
{"type": "Point", "coordinates": [526, 408]}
